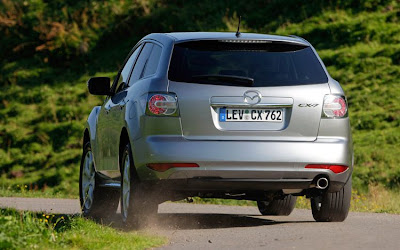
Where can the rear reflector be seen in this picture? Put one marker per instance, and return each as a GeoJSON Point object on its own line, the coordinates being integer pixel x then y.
{"type": "Point", "coordinates": [161, 167]}
{"type": "Point", "coordinates": [334, 168]}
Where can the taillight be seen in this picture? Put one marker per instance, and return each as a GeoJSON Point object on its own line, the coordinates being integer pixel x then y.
{"type": "Point", "coordinates": [335, 106]}
{"type": "Point", "coordinates": [334, 168]}
{"type": "Point", "coordinates": [162, 105]}
{"type": "Point", "coordinates": [161, 167]}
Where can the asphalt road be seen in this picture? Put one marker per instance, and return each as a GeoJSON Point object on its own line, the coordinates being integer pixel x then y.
{"type": "Point", "coordinates": [190, 226]}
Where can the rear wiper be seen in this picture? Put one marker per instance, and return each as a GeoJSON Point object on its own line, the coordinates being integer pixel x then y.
{"type": "Point", "coordinates": [237, 80]}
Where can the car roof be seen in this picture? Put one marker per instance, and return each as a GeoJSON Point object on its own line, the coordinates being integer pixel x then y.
{"type": "Point", "coordinates": [191, 36]}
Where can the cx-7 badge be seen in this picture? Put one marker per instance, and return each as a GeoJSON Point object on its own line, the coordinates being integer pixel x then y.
{"type": "Point", "coordinates": [308, 105]}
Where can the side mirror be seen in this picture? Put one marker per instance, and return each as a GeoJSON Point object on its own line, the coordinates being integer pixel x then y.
{"type": "Point", "coordinates": [99, 86]}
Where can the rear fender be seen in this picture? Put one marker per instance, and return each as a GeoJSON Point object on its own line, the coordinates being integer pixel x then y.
{"type": "Point", "coordinates": [335, 87]}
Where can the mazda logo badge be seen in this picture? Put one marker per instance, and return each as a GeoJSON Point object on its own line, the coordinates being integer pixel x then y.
{"type": "Point", "coordinates": [252, 97]}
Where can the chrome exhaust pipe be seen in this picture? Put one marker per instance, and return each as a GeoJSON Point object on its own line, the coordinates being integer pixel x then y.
{"type": "Point", "coordinates": [322, 183]}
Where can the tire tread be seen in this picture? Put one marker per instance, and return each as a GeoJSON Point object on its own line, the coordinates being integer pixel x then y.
{"type": "Point", "coordinates": [281, 207]}
{"type": "Point", "coordinates": [334, 206]}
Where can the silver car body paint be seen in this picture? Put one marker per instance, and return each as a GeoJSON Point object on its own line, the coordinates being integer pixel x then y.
{"type": "Point", "coordinates": [251, 152]}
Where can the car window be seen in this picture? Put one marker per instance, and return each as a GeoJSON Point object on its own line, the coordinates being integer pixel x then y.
{"type": "Point", "coordinates": [141, 63]}
{"type": "Point", "coordinates": [151, 65]}
{"type": "Point", "coordinates": [265, 64]}
{"type": "Point", "coordinates": [124, 76]}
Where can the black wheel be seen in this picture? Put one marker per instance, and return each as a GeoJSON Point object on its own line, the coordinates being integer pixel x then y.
{"type": "Point", "coordinates": [96, 202]}
{"type": "Point", "coordinates": [135, 203]}
{"type": "Point", "coordinates": [332, 207]}
{"type": "Point", "coordinates": [284, 206]}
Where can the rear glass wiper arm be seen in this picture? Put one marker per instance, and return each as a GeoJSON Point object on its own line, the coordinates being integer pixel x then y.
{"type": "Point", "coordinates": [237, 80]}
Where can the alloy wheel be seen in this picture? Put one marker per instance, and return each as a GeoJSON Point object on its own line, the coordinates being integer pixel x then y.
{"type": "Point", "coordinates": [126, 188]}
{"type": "Point", "coordinates": [88, 180]}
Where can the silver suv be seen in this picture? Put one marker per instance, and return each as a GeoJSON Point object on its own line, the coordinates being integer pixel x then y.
{"type": "Point", "coordinates": [218, 115]}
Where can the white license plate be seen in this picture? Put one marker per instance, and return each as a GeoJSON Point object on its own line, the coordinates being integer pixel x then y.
{"type": "Point", "coordinates": [250, 115]}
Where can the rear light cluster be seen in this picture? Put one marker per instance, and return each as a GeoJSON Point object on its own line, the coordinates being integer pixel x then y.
{"type": "Point", "coordinates": [334, 168]}
{"type": "Point", "coordinates": [335, 106]}
{"type": "Point", "coordinates": [162, 105]}
{"type": "Point", "coordinates": [162, 167]}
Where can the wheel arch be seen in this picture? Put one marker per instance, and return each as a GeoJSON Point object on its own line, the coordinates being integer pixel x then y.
{"type": "Point", "coordinates": [91, 124]}
{"type": "Point", "coordinates": [123, 140]}
{"type": "Point", "coordinates": [86, 137]}
{"type": "Point", "coordinates": [89, 133]}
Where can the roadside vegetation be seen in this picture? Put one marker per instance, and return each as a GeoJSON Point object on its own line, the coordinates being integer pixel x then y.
{"type": "Point", "coordinates": [26, 230]}
{"type": "Point", "coordinates": [51, 48]}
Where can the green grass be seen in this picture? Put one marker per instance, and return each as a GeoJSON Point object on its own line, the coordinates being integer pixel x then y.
{"type": "Point", "coordinates": [26, 230]}
{"type": "Point", "coordinates": [228, 202]}
{"type": "Point", "coordinates": [46, 126]}
{"type": "Point", "coordinates": [24, 191]}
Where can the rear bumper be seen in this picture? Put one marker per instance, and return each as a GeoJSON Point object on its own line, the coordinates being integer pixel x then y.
{"type": "Point", "coordinates": [243, 165]}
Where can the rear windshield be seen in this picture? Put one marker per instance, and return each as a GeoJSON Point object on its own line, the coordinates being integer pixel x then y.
{"type": "Point", "coordinates": [248, 64]}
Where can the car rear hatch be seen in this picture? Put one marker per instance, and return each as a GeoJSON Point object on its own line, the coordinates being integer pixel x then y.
{"type": "Point", "coordinates": [248, 90]}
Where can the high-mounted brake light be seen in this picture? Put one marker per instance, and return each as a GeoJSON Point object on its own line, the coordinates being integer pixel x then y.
{"type": "Point", "coordinates": [162, 167]}
{"type": "Point", "coordinates": [244, 41]}
{"type": "Point", "coordinates": [162, 104]}
{"type": "Point", "coordinates": [334, 168]}
{"type": "Point", "coordinates": [334, 106]}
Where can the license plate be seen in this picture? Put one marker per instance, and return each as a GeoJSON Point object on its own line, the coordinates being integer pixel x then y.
{"type": "Point", "coordinates": [250, 115]}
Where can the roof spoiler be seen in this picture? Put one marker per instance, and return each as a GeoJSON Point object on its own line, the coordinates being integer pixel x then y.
{"type": "Point", "coordinates": [298, 37]}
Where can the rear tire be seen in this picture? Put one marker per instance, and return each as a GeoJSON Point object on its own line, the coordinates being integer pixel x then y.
{"type": "Point", "coordinates": [281, 207]}
{"type": "Point", "coordinates": [96, 202]}
{"type": "Point", "coordinates": [135, 203]}
{"type": "Point", "coordinates": [332, 207]}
